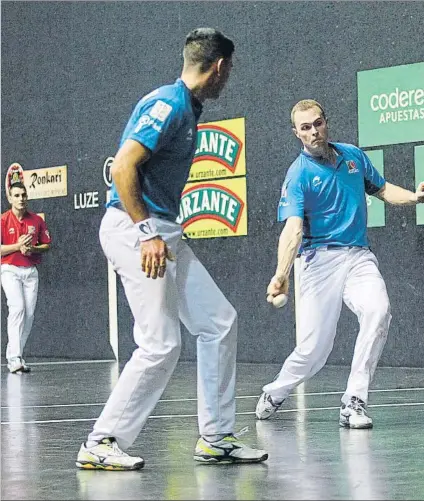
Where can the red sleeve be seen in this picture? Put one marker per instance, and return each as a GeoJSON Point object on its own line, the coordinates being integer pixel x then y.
{"type": "Point", "coordinates": [2, 228]}
{"type": "Point", "coordinates": [43, 233]}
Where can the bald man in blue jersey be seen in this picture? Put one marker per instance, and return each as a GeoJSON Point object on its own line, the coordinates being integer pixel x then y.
{"type": "Point", "coordinates": [323, 202]}
{"type": "Point", "coordinates": [164, 282]}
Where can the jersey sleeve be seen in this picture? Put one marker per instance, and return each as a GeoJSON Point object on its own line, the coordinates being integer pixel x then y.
{"type": "Point", "coordinates": [2, 230]}
{"type": "Point", "coordinates": [374, 181]}
{"type": "Point", "coordinates": [156, 123]}
{"type": "Point", "coordinates": [292, 198]}
{"type": "Point", "coordinates": [43, 233]}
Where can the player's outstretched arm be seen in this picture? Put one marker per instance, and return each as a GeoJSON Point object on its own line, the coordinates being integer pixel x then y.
{"type": "Point", "coordinates": [288, 247]}
{"type": "Point", "coordinates": [396, 195]}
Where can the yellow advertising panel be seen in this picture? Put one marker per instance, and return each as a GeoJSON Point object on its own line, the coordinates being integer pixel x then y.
{"type": "Point", "coordinates": [213, 209]}
{"type": "Point", "coordinates": [47, 182]}
{"type": "Point", "coordinates": [220, 150]}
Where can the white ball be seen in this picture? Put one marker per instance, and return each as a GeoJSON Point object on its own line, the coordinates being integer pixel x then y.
{"type": "Point", "coordinates": [278, 301]}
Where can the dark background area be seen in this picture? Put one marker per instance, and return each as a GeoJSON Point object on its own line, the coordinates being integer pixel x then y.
{"type": "Point", "coordinates": [73, 71]}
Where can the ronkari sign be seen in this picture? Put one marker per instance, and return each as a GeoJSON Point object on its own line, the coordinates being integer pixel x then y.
{"type": "Point", "coordinates": [47, 182]}
{"type": "Point", "coordinates": [220, 151]}
{"type": "Point", "coordinates": [214, 209]}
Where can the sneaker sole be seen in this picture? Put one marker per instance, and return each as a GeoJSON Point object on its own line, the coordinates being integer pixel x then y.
{"type": "Point", "coordinates": [17, 371]}
{"type": "Point", "coordinates": [215, 460]}
{"type": "Point", "coordinates": [97, 466]}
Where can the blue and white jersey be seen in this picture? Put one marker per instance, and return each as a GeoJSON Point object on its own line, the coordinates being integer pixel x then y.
{"type": "Point", "coordinates": [330, 199]}
{"type": "Point", "coordinates": [165, 122]}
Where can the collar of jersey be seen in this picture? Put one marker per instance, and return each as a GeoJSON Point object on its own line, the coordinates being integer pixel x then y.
{"type": "Point", "coordinates": [25, 216]}
{"type": "Point", "coordinates": [195, 103]}
{"type": "Point", "coordinates": [310, 157]}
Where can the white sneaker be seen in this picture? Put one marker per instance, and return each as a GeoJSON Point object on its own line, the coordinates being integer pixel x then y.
{"type": "Point", "coordinates": [106, 455]}
{"type": "Point", "coordinates": [17, 365]}
{"type": "Point", "coordinates": [228, 450]}
{"type": "Point", "coordinates": [265, 407]}
{"type": "Point", "coordinates": [355, 415]}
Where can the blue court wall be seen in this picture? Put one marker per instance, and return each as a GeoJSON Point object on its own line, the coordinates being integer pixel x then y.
{"type": "Point", "coordinates": [71, 74]}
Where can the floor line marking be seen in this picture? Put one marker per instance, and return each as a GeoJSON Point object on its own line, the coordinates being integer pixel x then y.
{"type": "Point", "coordinates": [171, 416]}
{"type": "Point", "coordinates": [165, 400]}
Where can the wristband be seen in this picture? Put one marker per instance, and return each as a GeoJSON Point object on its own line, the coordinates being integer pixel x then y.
{"type": "Point", "coordinates": [147, 229]}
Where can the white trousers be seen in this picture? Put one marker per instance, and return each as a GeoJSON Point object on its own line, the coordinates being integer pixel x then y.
{"type": "Point", "coordinates": [329, 277]}
{"type": "Point", "coordinates": [186, 293]}
{"type": "Point", "coordinates": [20, 285]}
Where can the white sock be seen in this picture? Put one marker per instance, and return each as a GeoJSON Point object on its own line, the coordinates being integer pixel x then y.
{"type": "Point", "coordinates": [91, 443]}
{"type": "Point", "coordinates": [215, 438]}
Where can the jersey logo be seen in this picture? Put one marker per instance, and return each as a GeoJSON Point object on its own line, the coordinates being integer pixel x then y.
{"type": "Point", "coordinates": [12, 231]}
{"type": "Point", "coordinates": [145, 121]}
{"type": "Point", "coordinates": [160, 111]}
{"type": "Point", "coordinates": [31, 230]}
{"type": "Point", "coordinates": [283, 196]}
{"type": "Point", "coordinates": [316, 181]}
{"type": "Point", "coordinates": [351, 165]}
{"type": "Point", "coordinates": [189, 134]}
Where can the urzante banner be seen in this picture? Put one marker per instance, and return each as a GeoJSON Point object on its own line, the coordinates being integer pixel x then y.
{"type": "Point", "coordinates": [220, 150]}
{"type": "Point", "coordinates": [214, 209]}
{"type": "Point", "coordinates": [391, 105]}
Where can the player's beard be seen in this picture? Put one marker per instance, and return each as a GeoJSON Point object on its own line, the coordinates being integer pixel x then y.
{"type": "Point", "coordinates": [216, 86]}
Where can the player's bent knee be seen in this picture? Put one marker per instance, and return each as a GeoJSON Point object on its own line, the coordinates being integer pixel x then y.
{"type": "Point", "coordinates": [381, 310]}
{"type": "Point", "coordinates": [168, 352]}
{"type": "Point", "coordinates": [171, 351]}
{"type": "Point", "coordinates": [312, 358]}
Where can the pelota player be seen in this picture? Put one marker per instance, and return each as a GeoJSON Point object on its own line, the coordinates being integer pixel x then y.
{"type": "Point", "coordinates": [138, 234]}
{"type": "Point", "coordinates": [323, 199]}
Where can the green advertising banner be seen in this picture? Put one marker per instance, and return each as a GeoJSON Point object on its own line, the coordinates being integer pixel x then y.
{"type": "Point", "coordinates": [376, 209]}
{"type": "Point", "coordinates": [419, 178]}
{"type": "Point", "coordinates": [391, 105]}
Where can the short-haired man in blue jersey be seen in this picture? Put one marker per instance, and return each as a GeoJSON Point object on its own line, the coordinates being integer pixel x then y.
{"type": "Point", "coordinates": [323, 202]}
{"type": "Point", "coordinates": [164, 282]}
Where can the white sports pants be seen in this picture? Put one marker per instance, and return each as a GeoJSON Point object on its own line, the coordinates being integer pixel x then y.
{"type": "Point", "coordinates": [186, 293]}
{"type": "Point", "coordinates": [20, 285]}
{"type": "Point", "coordinates": [329, 277]}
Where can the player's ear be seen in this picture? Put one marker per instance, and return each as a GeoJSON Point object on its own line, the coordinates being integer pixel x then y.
{"type": "Point", "coordinates": [220, 65]}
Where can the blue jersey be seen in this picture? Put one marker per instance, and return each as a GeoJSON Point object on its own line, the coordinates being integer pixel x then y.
{"type": "Point", "coordinates": [330, 199]}
{"type": "Point", "coordinates": [165, 122]}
